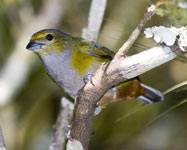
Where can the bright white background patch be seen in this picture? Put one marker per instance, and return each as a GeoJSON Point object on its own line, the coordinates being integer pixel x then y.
{"type": "Point", "coordinates": [183, 5]}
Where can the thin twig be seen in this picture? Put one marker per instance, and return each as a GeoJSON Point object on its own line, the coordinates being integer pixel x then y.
{"type": "Point", "coordinates": [134, 35]}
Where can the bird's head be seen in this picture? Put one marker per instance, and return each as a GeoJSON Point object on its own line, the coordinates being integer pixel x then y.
{"type": "Point", "coordinates": [48, 41]}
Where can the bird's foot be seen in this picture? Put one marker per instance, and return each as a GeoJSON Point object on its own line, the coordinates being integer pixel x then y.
{"type": "Point", "coordinates": [88, 78]}
{"type": "Point", "coordinates": [68, 131]}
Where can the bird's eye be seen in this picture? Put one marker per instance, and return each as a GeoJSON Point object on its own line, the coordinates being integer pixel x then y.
{"type": "Point", "coordinates": [49, 37]}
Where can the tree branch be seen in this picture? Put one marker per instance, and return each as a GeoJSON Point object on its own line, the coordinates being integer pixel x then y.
{"type": "Point", "coordinates": [120, 69]}
{"type": "Point", "coordinates": [91, 32]}
{"type": "Point", "coordinates": [134, 35]}
{"type": "Point", "coordinates": [58, 139]}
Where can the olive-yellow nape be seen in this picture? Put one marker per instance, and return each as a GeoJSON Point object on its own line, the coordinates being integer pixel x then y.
{"type": "Point", "coordinates": [68, 59]}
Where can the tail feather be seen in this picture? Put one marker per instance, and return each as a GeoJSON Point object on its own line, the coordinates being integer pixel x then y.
{"type": "Point", "coordinates": [130, 90]}
{"type": "Point", "coordinates": [151, 96]}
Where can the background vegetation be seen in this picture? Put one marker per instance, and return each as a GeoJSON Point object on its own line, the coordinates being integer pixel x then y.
{"type": "Point", "coordinates": [27, 115]}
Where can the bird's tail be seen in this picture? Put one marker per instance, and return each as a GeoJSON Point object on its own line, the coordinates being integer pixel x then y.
{"type": "Point", "coordinates": [130, 90]}
{"type": "Point", "coordinates": [151, 96]}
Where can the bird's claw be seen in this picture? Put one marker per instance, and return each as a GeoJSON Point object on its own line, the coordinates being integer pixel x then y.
{"type": "Point", "coordinates": [68, 131]}
{"type": "Point", "coordinates": [88, 78]}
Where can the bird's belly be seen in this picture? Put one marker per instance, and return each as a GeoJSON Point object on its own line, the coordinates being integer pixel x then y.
{"type": "Point", "coordinates": [60, 70]}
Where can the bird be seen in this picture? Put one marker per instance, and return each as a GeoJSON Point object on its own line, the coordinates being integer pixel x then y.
{"type": "Point", "coordinates": [68, 60]}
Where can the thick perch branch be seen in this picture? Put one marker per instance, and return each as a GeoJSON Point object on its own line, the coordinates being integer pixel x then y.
{"type": "Point", "coordinates": [119, 70]}
{"type": "Point", "coordinates": [89, 95]}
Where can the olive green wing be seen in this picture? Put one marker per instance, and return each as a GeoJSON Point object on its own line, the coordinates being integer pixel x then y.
{"type": "Point", "coordinates": [96, 50]}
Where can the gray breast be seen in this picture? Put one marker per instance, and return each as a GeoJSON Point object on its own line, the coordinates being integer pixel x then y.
{"type": "Point", "coordinates": [59, 68]}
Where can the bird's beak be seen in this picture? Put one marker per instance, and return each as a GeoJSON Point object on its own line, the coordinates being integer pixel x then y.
{"type": "Point", "coordinates": [34, 46]}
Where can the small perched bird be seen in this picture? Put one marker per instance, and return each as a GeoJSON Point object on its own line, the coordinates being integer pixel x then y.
{"type": "Point", "coordinates": [68, 59]}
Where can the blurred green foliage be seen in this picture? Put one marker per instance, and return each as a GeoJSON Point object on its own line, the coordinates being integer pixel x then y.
{"type": "Point", "coordinates": [27, 120]}
{"type": "Point", "coordinates": [173, 12]}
